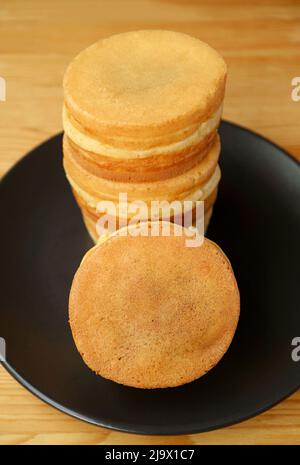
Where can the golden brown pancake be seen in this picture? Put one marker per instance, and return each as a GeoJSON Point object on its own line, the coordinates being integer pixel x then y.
{"type": "Point", "coordinates": [149, 312]}
{"type": "Point", "coordinates": [141, 169]}
{"type": "Point", "coordinates": [177, 187]}
{"type": "Point", "coordinates": [144, 85]}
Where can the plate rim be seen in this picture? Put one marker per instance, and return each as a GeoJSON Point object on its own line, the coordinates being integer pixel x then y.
{"type": "Point", "coordinates": [132, 430]}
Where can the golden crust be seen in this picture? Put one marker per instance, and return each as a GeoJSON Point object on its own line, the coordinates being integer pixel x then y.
{"type": "Point", "coordinates": [165, 189]}
{"type": "Point", "coordinates": [170, 318]}
{"type": "Point", "coordinates": [136, 147]}
{"type": "Point", "coordinates": [136, 142]}
{"type": "Point", "coordinates": [144, 169]}
{"type": "Point", "coordinates": [144, 84]}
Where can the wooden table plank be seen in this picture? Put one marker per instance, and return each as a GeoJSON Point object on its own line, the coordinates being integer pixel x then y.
{"type": "Point", "coordinates": [261, 44]}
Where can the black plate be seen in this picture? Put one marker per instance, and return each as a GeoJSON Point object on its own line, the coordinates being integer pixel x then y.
{"type": "Point", "coordinates": [257, 223]}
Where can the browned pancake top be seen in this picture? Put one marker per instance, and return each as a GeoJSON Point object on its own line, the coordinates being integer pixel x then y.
{"type": "Point", "coordinates": [151, 82]}
{"type": "Point", "coordinates": [150, 312]}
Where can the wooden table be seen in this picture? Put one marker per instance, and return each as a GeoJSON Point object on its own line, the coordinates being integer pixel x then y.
{"type": "Point", "coordinates": [260, 41]}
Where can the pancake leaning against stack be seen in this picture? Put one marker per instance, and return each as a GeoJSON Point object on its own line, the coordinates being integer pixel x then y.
{"type": "Point", "coordinates": [170, 318]}
{"type": "Point", "coordinates": [141, 113]}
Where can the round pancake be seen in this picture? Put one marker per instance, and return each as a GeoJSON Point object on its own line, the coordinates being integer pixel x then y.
{"type": "Point", "coordinates": [140, 169]}
{"type": "Point", "coordinates": [132, 148]}
{"type": "Point", "coordinates": [136, 147]}
{"type": "Point", "coordinates": [149, 312]}
{"type": "Point", "coordinates": [143, 85]}
{"type": "Point", "coordinates": [176, 187]}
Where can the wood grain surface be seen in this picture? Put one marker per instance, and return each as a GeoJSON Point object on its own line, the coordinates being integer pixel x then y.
{"type": "Point", "coordinates": [260, 40]}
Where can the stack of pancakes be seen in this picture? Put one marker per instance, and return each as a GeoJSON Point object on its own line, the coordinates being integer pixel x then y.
{"type": "Point", "coordinates": [141, 113]}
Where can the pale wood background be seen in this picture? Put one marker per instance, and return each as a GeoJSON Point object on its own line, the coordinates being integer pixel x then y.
{"type": "Point", "coordinates": [260, 41]}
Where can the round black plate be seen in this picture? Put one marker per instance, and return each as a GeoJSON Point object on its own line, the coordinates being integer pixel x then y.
{"type": "Point", "coordinates": [256, 222]}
